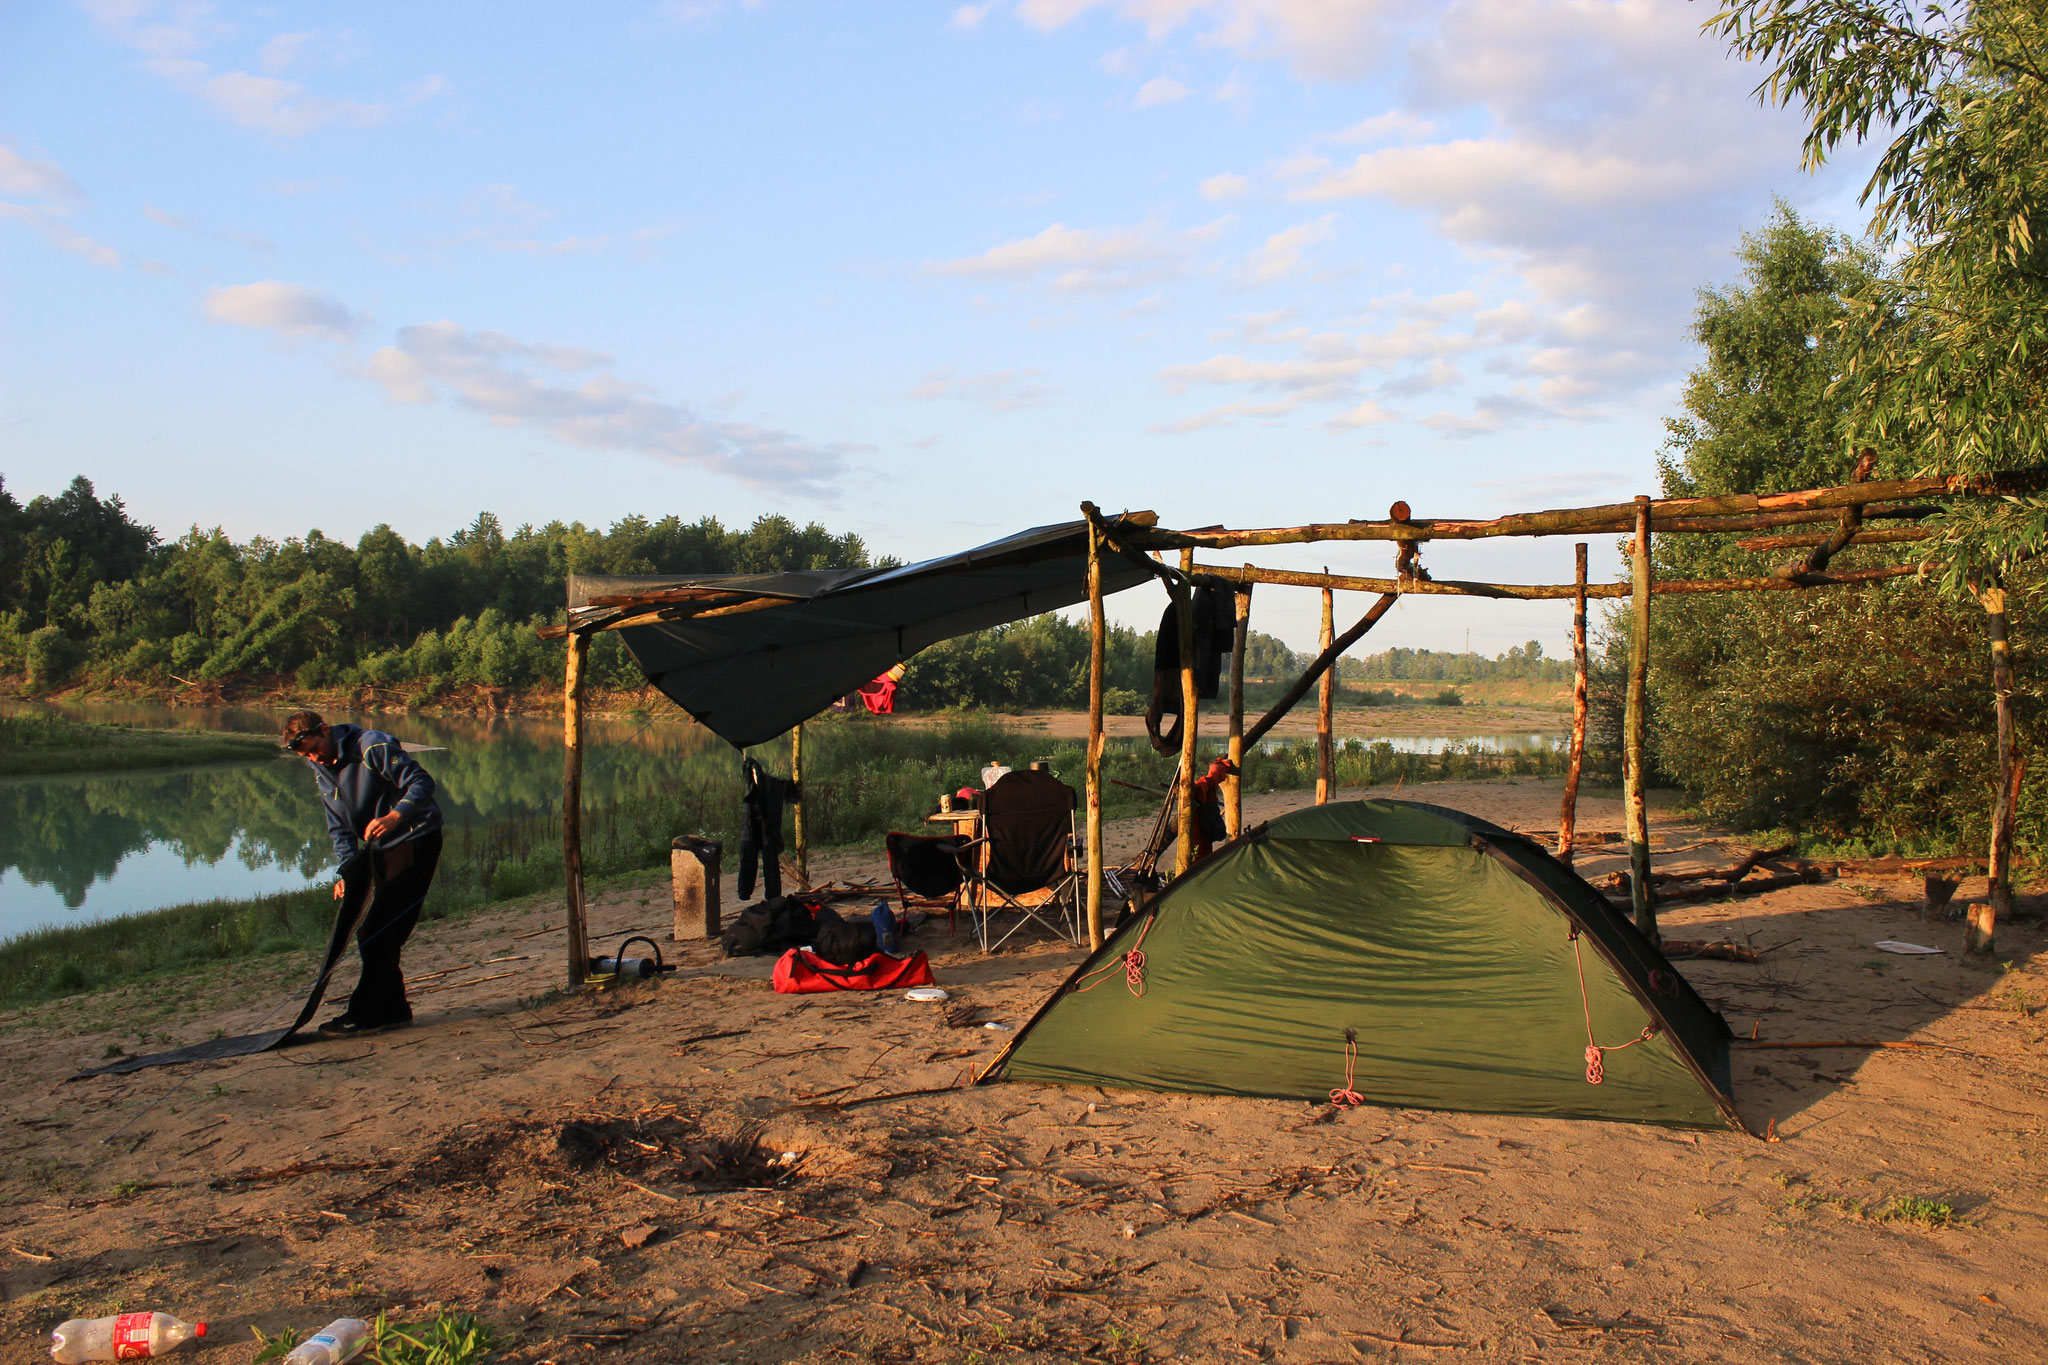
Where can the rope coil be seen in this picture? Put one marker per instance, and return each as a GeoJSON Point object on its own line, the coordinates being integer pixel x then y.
{"type": "Point", "coordinates": [1345, 1096]}
{"type": "Point", "coordinates": [1132, 961]}
{"type": "Point", "coordinates": [1596, 1070]}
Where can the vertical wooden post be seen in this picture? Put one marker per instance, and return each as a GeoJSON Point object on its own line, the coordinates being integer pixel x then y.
{"type": "Point", "coordinates": [572, 803]}
{"type": "Point", "coordinates": [1190, 707]}
{"type": "Point", "coordinates": [1233, 786]}
{"type": "Point", "coordinates": [796, 777]}
{"type": "Point", "coordinates": [1568, 817]}
{"type": "Point", "coordinates": [1097, 634]}
{"type": "Point", "coordinates": [2005, 809]}
{"type": "Point", "coordinates": [1633, 776]}
{"type": "Point", "coordinates": [1326, 701]}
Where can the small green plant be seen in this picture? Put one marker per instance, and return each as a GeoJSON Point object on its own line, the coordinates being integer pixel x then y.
{"type": "Point", "coordinates": [128, 1187]}
{"type": "Point", "coordinates": [450, 1339]}
{"type": "Point", "coordinates": [277, 1347]}
{"type": "Point", "coordinates": [1912, 1208]}
{"type": "Point", "coordinates": [2016, 999]}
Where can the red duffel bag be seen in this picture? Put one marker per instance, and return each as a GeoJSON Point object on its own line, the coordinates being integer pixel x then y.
{"type": "Point", "coordinates": [800, 972]}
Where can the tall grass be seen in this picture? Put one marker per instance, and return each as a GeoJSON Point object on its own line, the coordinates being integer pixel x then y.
{"type": "Point", "coordinates": [39, 744]}
{"type": "Point", "coordinates": [863, 780]}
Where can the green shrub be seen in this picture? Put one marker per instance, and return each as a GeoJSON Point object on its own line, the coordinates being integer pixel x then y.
{"type": "Point", "coordinates": [52, 656]}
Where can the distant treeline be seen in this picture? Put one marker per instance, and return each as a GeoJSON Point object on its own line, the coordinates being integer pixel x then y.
{"type": "Point", "coordinates": [89, 594]}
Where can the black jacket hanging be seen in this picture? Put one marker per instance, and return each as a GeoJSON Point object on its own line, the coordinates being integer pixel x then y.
{"type": "Point", "coordinates": [761, 827]}
{"type": "Point", "coordinates": [1215, 620]}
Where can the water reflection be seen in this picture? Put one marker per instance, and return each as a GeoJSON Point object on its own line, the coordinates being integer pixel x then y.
{"type": "Point", "coordinates": [87, 846]}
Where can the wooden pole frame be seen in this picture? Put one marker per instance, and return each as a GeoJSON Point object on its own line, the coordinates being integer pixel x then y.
{"type": "Point", "coordinates": [1634, 778]}
{"type": "Point", "coordinates": [2005, 800]}
{"type": "Point", "coordinates": [1097, 637]}
{"type": "Point", "coordinates": [1326, 703]}
{"type": "Point", "coordinates": [1233, 785]}
{"type": "Point", "coordinates": [572, 805]}
{"type": "Point", "coordinates": [1568, 815]}
{"type": "Point", "coordinates": [796, 778]}
{"type": "Point", "coordinates": [1190, 722]}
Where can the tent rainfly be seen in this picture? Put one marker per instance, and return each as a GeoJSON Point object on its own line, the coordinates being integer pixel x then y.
{"type": "Point", "coordinates": [1470, 970]}
{"type": "Point", "coordinates": [752, 655]}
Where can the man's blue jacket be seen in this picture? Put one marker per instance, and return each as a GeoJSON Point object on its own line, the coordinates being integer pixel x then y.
{"type": "Point", "coordinates": [373, 776]}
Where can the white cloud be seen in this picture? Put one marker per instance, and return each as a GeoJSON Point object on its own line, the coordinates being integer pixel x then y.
{"type": "Point", "coordinates": [970, 16]}
{"type": "Point", "coordinates": [1002, 390]}
{"type": "Point", "coordinates": [1323, 39]}
{"type": "Point", "coordinates": [1159, 90]}
{"type": "Point", "coordinates": [170, 37]}
{"type": "Point", "coordinates": [1226, 186]}
{"type": "Point", "coordinates": [1081, 259]}
{"type": "Point", "coordinates": [28, 179]}
{"type": "Point", "coordinates": [1235, 92]}
{"type": "Point", "coordinates": [1366, 414]}
{"type": "Point", "coordinates": [200, 229]}
{"type": "Point", "coordinates": [571, 395]}
{"type": "Point", "coordinates": [61, 234]}
{"type": "Point", "coordinates": [1280, 255]}
{"type": "Point", "coordinates": [1396, 125]}
{"type": "Point", "coordinates": [290, 309]}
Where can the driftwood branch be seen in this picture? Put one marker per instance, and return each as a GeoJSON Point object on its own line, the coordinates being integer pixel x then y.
{"type": "Point", "coordinates": [1294, 694]}
{"type": "Point", "coordinates": [1234, 576]}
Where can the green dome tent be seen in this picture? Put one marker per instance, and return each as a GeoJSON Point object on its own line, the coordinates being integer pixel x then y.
{"type": "Point", "coordinates": [1471, 970]}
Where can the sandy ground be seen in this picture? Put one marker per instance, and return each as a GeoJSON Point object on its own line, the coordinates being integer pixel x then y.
{"type": "Point", "coordinates": [435, 1167]}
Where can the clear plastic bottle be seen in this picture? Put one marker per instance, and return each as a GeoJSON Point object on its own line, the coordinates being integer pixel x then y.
{"type": "Point", "coordinates": [337, 1341]}
{"type": "Point", "coordinates": [128, 1336]}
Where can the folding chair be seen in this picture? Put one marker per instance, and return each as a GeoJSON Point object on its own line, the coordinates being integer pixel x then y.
{"type": "Point", "coordinates": [1026, 858]}
{"type": "Point", "coordinates": [926, 870]}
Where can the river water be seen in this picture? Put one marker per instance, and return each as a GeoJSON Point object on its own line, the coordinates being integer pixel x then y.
{"type": "Point", "coordinates": [89, 846]}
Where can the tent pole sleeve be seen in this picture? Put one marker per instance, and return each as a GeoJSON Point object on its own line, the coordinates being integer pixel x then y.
{"type": "Point", "coordinates": [2006, 807]}
{"type": "Point", "coordinates": [1326, 701]}
{"type": "Point", "coordinates": [1315, 670]}
{"type": "Point", "coordinates": [1634, 777]}
{"type": "Point", "coordinates": [1190, 707]}
{"type": "Point", "coordinates": [1233, 785]}
{"type": "Point", "coordinates": [1097, 632]}
{"type": "Point", "coordinates": [796, 778]}
{"type": "Point", "coordinates": [1568, 817]}
{"type": "Point", "coordinates": [572, 802]}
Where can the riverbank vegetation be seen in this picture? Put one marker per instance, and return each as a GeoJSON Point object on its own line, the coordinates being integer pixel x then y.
{"type": "Point", "coordinates": [41, 745]}
{"type": "Point", "coordinates": [862, 782]}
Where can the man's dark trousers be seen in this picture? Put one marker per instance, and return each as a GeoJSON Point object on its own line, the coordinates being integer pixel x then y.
{"type": "Point", "coordinates": [399, 879]}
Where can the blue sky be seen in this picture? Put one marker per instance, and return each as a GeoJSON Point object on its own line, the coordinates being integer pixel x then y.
{"type": "Point", "coordinates": [931, 273]}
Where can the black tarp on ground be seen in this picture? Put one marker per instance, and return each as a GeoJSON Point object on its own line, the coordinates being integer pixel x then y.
{"type": "Point", "coordinates": [783, 647]}
{"type": "Point", "coordinates": [348, 912]}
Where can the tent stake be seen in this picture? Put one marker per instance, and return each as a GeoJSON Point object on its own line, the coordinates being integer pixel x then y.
{"type": "Point", "coordinates": [1568, 817]}
{"type": "Point", "coordinates": [1096, 631]}
{"type": "Point", "coordinates": [1190, 707]}
{"type": "Point", "coordinates": [1233, 785]}
{"type": "Point", "coordinates": [796, 779]}
{"type": "Point", "coordinates": [1633, 775]}
{"type": "Point", "coordinates": [2005, 808]}
{"type": "Point", "coordinates": [1326, 700]}
{"type": "Point", "coordinates": [572, 802]}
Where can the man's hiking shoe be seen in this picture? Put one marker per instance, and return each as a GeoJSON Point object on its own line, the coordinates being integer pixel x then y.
{"type": "Point", "coordinates": [348, 1026]}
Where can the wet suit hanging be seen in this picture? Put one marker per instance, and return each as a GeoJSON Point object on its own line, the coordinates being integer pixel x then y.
{"type": "Point", "coordinates": [761, 827]}
{"type": "Point", "coordinates": [1215, 624]}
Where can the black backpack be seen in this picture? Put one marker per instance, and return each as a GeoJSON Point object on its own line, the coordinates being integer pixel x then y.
{"type": "Point", "coordinates": [843, 941]}
{"type": "Point", "coordinates": [774, 924]}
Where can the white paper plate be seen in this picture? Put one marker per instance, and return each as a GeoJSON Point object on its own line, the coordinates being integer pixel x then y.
{"type": "Point", "coordinates": [1892, 945]}
{"type": "Point", "coordinates": [927, 994]}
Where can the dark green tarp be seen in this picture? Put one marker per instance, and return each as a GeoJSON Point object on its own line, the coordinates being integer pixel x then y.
{"type": "Point", "coordinates": [790, 644]}
{"type": "Point", "coordinates": [1446, 943]}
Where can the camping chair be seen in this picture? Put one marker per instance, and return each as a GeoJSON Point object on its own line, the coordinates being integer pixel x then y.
{"type": "Point", "coordinates": [926, 870]}
{"type": "Point", "coordinates": [1025, 859]}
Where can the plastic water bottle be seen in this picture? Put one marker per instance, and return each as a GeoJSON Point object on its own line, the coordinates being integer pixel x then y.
{"type": "Point", "coordinates": [337, 1341]}
{"type": "Point", "coordinates": [626, 968]}
{"type": "Point", "coordinates": [128, 1336]}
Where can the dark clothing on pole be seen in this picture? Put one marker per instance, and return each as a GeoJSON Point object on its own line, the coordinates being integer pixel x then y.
{"type": "Point", "coordinates": [761, 828]}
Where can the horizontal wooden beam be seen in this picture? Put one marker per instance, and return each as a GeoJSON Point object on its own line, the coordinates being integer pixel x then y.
{"type": "Point", "coordinates": [1232, 575]}
{"type": "Point", "coordinates": [1666, 514]}
{"type": "Point", "coordinates": [1806, 538]}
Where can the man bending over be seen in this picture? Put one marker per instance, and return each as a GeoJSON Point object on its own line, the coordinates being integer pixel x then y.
{"type": "Point", "coordinates": [380, 803]}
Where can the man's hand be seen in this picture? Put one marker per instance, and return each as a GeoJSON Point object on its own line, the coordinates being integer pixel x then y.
{"type": "Point", "coordinates": [339, 888]}
{"type": "Point", "coordinates": [381, 826]}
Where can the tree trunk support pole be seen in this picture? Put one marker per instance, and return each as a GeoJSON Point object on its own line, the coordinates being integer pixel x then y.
{"type": "Point", "coordinates": [1568, 816]}
{"type": "Point", "coordinates": [796, 778]}
{"type": "Point", "coordinates": [1097, 630]}
{"type": "Point", "coordinates": [1233, 785]}
{"type": "Point", "coordinates": [1190, 709]}
{"type": "Point", "coordinates": [572, 803]}
{"type": "Point", "coordinates": [2005, 811]}
{"type": "Point", "coordinates": [1326, 701]}
{"type": "Point", "coordinates": [1633, 772]}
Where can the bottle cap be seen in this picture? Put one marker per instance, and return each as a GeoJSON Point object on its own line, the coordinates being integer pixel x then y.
{"type": "Point", "coordinates": [198, 1329]}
